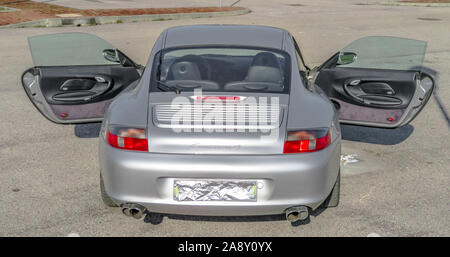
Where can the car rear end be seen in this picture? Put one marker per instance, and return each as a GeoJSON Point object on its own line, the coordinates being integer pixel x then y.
{"type": "Point", "coordinates": [225, 135]}
{"type": "Point", "coordinates": [218, 173]}
{"type": "Point", "coordinates": [282, 180]}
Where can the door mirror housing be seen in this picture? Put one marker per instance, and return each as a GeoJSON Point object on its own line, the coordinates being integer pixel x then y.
{"type": "Point", "coordinates": [116, 56]}
{"type": "Point", "coordinates": [111, 55]}
{"type": "Point", "coordinates": [346, 58]}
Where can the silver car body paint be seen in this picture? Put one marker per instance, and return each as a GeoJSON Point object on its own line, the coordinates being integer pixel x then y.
{"type": "Point", "coordinates": [287, 180]}
{"type": "Point", "coordinates": [284, 180]}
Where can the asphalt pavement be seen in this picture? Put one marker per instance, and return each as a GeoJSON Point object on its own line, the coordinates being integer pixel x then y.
{"type": "Point", "coordinates": [399, 187]}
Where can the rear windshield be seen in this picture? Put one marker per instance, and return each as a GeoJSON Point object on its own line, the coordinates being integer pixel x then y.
{"type": "Point", "coordinates": [221, 69]}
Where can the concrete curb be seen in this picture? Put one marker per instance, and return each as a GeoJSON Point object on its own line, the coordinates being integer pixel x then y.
{"type": "Point", "coordinates": [98, 20]}
{"type": "Point", "coordinates": [415, 4]}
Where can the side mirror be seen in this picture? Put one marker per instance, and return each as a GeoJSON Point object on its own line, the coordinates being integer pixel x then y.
{"type": "Point", "coordinates": [346, 58]}
{"type": "Point", "coordinates": [426, 82]}
{"type": "Point", "coordinates": [111, 55]}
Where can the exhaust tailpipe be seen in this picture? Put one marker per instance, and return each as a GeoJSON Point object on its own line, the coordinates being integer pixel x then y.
{"type": "Point", "coordinates": [297, 213]}
{"type": "Point", "coordinates": [136, 213]}
{"type": "Point", "coordinates": [133, 210]}
{"type": "Point", "coordinates": [126, 211]}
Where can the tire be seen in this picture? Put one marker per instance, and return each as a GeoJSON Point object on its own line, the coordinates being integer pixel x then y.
{"type": "Point", "coordinates": [333, 198]}
{"type": "Point", "coordinates": [106, 199]}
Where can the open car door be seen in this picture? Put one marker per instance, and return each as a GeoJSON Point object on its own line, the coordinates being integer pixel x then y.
{"type": "Point", "coordinates": [377, 81]}
{"type": "Point", "coordinates": [75, 76]}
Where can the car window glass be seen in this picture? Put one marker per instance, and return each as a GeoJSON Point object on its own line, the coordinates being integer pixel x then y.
{"type": "Point", "coordinates": [223, 69]}
{"type": "Point", "coordinates": [68, 49]}
{"type": "Point", "coordinates": [386, 53]}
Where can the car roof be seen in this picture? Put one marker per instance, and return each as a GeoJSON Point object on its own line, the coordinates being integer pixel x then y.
{"type": "Point", "coordinates": [243, 35]}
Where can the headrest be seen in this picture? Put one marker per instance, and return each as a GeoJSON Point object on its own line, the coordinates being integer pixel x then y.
{"type": "Point", "coordinates": [264, 74]}
{"type": "Point", "coordinates": [185, 70]}
{"type": "Point", "coordinates": [265, 59]}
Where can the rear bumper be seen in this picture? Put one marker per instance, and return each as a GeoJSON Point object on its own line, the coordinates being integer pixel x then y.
{"type": "Point", "coordinates": [287, 180]}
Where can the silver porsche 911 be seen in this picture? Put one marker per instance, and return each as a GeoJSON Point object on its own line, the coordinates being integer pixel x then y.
{"type": "Point", "coordinates": [224, 119]}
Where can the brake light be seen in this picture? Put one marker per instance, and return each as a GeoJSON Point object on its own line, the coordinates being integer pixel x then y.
{"type": "Point", "coordinates": [127, 138]}
{"type": "Point", "coordinates": [307, 141]}
{"type": "Point", "coordinates": [220, 98]}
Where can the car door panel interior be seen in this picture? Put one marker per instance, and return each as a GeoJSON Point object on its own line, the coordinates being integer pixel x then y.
{"type": "Point", "coordinates": [79, 92]}
{"type": "Point", "coordinates": [369, 95]}
{"type": "Point", "coordinates": [353, 112]}
{"type": "Point", "coordinates": [80, 111]}
{"type": "Point", "coordinates": [67, 85]}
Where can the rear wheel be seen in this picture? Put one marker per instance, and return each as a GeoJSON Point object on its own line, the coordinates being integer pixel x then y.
{"type": "Point", "coordinates": [333, 198]}
{"type": "Point", "coordinates": [106, 199]}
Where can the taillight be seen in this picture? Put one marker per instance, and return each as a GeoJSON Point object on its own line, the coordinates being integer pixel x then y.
{"type": "Point", "coordinates": [127, 138]}
{"type": "Point", "coordinates": [306, 141]}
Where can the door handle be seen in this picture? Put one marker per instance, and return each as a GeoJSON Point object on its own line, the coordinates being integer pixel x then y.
{"type": "Point", "coordinates": [351, 83]}
{"type": "Point", "coordinates": [377, 88]}
{"type": "Point", "coordinates": [371, 93]}
{"type": "Point", "coordinates": [100, 88]}
{"type": "Point", "coordinates": [77, 84]}
{"type": "Point", "coordinates": [77, 91]}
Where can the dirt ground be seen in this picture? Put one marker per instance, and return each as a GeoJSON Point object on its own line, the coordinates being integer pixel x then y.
{"type": "Point", "coordinates": [29, 10]}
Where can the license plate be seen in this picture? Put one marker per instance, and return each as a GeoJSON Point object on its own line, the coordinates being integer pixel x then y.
{"type": "Point", "coordinates": [214, 190]}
